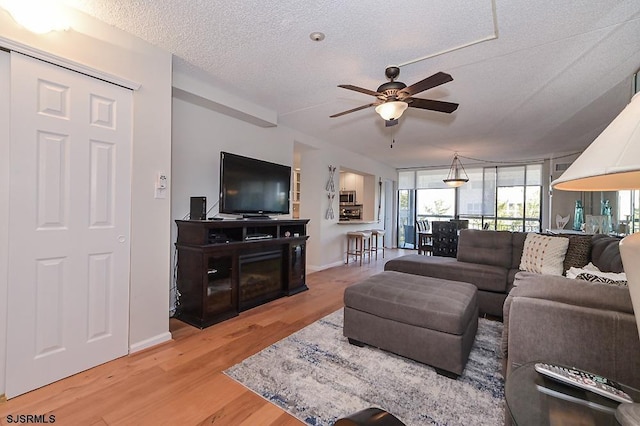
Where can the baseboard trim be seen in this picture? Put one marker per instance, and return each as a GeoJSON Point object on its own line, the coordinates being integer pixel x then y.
{"type": "Point", "coordinates": [315, 268]}
{"type": "Point", "coordinates": [155, 340]}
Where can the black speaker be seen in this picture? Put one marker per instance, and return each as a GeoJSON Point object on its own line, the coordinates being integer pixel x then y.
{"type": "Point", "coordinates": [198, 208]}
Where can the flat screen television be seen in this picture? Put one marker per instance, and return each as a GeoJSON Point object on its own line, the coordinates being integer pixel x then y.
{"type": "Point", "coordinates": [253, 187]}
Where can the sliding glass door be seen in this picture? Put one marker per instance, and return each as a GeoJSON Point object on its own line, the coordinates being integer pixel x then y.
{"type": "Point", "coordinates": [406, 219]}
{"type": "Point", "coordinates": [505, 198]}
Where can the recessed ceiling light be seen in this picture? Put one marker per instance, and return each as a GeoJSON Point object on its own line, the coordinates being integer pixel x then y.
{"type": "Point", "coordinates": [316, 36]}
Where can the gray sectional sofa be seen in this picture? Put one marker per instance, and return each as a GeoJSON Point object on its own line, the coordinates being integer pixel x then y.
{"type": "Point", "coordinates": [487, 259]}
{"type": "Point", "coordinates": [572, 322]}
{"type": "Point", "coordinates": [551, 318]}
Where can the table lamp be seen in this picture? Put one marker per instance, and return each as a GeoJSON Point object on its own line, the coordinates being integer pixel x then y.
{"type": "Point", "coordinates": [612, 163]}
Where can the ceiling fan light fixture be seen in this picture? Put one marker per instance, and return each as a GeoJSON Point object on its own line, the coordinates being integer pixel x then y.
{"type": "Point", "coordinates": [457, 175]}
{"type": "Point", "coordinates": [391, 110]}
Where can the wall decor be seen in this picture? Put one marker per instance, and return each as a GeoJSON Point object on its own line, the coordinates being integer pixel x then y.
{"type": "Point", "coordinates": [561, 221]}
{"type": "Point", "coordinates": [331, 189]}
{"type": "Point", "coordinates": [330, 185]}
{"type": "Point", "coordinates": [330, 214]}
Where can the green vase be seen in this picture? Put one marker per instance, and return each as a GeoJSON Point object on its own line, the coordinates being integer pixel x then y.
{"type": "Point", "coordinates": [578, 216]}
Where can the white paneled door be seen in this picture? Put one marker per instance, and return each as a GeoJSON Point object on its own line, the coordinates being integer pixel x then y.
{"type": "Point", "coordinates": [69, 217]}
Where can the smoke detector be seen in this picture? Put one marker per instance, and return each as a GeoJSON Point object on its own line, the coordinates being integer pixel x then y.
{"type": "Point", "coordinates": [316, 36]}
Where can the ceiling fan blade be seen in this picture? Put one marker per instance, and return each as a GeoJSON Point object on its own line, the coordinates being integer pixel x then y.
{"type": "Point", "coordinates": [359, 89]}
{"type": "Point", "coordinates": [352, 110]}
{"type": "Point", "coordinates": [435, 80]}
{"type": "Point", "coordinates": [432, 105]}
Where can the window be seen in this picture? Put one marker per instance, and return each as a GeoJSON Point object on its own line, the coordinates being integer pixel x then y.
{"type": "Point", "coordinates": [502, 198]}
{"type": "Point", "coordinates": [435, 204]}
{"type": "Point", "coordinates": [628, 212]}
{"type": "Point", "coordinates": [476, 198]}
{"type": "Point", "coordinates": [518, 197]}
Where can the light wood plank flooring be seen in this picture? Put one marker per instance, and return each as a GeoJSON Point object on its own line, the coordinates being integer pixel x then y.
{"type": "Point", "coordinates": [181, 382]}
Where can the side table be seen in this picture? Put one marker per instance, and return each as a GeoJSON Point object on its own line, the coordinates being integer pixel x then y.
{"type": "Point", "coordinates": [535, 400]}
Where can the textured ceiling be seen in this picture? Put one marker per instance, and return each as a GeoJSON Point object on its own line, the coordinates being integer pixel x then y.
{"type": "Point", "coordinates": [533, 78]}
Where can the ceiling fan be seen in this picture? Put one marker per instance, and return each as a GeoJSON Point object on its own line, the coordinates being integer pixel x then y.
{"type": "Point", "coordinates": [394, 97]}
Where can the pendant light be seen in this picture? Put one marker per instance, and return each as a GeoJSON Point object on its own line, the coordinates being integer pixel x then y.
{"type": "Point", "coordinates": [455, 178]}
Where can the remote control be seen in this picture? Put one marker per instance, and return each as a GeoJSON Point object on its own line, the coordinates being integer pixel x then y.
{"type": "Point", "coordinates": [575, 400]}
{"type": "Point", "coordinates": [584, 380]}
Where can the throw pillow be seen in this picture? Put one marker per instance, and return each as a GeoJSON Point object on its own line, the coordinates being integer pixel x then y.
{"type": "Point", "coordinates": [573, 272]}
{"type": "Point", "coordinates": [586, 276]}
{"type": "Point", "coordinates": [543, 254]}
{"type": "Point", "coordinates": [591, 269]}
{"type": "Point", "coordinates": [578, 251]}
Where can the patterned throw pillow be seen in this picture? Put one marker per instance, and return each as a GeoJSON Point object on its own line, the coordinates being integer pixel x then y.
{"type": "Point", "coordinates": [543, 254]}
{"type": "Point", "coordinates": [600, 279]}
{"type": "Point", "coordinates": [578, 252]}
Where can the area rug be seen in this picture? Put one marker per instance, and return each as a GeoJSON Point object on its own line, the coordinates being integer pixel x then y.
{"type": "Point", "coordinates": [318, 377]}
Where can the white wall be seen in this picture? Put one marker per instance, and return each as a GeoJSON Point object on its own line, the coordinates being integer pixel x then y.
{"type": "Point", "coordinates": [102, 47]}
{"type": "Point", "coordinates": [200, 133]}
{"type": "Point", "coordinates": [327, 245]}
{"type": "Point", "coordinates": [4, 207]}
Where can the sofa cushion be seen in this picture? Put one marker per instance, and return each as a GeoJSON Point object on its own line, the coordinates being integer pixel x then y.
{"type": "Point", "coordinates": [485, 247]}
{"type": "Point", "coordinates": [565, 290]}
{"type": "Point", "coordinates": [605, 253]}
{"type": "Point", "coordinates": [485, 277]}
{"type": "Point", "coordinates": [517, 245]}
{"type": "Point", "coordinates": [572, 292]}
{"type": "Point", "coordinates": [511, 276]}
{"type": "Point", "coordinates": [544, 254]}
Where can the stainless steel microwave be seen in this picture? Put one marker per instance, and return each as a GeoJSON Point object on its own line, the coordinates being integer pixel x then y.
{"type": "Point", "coordinates": [347, 198]}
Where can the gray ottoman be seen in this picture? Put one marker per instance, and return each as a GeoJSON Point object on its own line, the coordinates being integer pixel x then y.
{"type": "Point", "coordinates": [430, 320]}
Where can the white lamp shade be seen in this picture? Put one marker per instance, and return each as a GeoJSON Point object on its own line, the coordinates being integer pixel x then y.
{"type": "Point", "coordinates": [612, 161]}
{"type": "Point", "coordinates": [391, 110]}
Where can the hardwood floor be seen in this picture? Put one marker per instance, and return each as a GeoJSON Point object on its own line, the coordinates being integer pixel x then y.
{"type": "Point", "coordinates": [181, 382]}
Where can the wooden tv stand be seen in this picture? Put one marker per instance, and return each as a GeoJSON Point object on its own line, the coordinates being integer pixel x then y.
{"type": "Point", "coordinates": [228, 266]}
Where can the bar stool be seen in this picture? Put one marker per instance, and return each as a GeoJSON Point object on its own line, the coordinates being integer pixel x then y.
{"type": "Point", "coordinates": [361, 244]}
{"type": "Point", "coordinates": [375, 234]}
